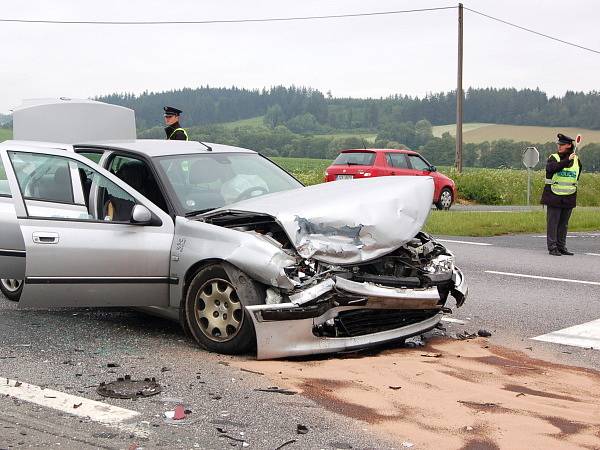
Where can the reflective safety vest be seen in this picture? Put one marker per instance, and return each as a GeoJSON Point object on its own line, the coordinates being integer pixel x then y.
{"type": "Point", "coordinates": [176, 130]}
{"type": "Point", "coordinates": [564, 182]}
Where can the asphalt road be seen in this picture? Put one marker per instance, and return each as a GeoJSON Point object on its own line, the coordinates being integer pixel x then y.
{"type": "Point", "coordinates": [71, 350]}
{"type": "Point", "coordinates": [516, 309]}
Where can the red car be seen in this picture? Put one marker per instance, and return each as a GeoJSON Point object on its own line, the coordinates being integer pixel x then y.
{"type": "Point", "coordinates": [377, 162]}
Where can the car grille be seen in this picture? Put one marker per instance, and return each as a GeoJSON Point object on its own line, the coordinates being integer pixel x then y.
{"type": "Point", "coordinates": [358, 322]}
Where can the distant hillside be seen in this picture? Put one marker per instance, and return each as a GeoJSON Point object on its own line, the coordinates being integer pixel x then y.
{"type": "Point", "coordinates": [480, 132]}
{"type": "Point", "coordinates": [309, 110]}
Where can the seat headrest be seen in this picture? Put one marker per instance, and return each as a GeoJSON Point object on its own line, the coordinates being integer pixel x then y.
{"type": "Point", "coordinates": [62, 175]}
{"type": "Point", "coordinates": [133, 173]}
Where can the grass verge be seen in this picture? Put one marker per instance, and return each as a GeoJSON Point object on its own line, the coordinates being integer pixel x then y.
{"type": "Point", "coordinates": [479, 223]}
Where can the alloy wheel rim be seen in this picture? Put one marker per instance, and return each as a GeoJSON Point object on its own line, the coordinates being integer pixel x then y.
{"type": "Point", "coordinates": [218, 310]}
{"type": "Point", "coordinates": [446, 199]}
{"type": "Point", "coordinates": [11, 284]}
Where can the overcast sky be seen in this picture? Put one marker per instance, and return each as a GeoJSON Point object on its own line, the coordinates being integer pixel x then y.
{"type": "Point", "coordinates": [360, 57]}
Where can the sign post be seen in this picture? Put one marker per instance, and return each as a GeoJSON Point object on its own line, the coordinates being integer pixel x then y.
{"type": "Point", "coordinates": [531, 158]}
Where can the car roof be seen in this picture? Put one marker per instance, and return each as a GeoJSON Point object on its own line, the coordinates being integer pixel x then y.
{"type": "Point", "coordinates": [148, 147]}
{"type": "Point", "coordinates": [379, 150]}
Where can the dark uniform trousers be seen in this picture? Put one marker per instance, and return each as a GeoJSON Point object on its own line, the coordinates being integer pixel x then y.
{"type": "Point", "coordinates": [557, 221]}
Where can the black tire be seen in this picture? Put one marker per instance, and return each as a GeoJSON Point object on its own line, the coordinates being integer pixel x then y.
{"type": "Point", "coordinates": [11, 288]}
{"type": "Point", "coordinates": [446, 199]}
{"type": "Point", "coordinates": [214, 313]}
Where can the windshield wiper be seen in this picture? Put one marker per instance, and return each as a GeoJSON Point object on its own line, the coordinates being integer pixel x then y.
{"type": "Point", "coordinates": [197, 213]}
{"type": "Point", "coordinates": [354, 164]}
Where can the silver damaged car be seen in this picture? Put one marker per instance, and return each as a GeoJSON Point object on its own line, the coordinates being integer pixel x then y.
{"type": "Point", "coordinates": [223, 241]}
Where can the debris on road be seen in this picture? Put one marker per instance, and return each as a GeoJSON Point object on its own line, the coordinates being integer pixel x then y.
{"type": "Point", "coordinates": [301, 429]}
{"type": "Point", "coordinates": [291, 441]}
{"type": "Point", "coordinates": [128, 388]}
{"type": "Point", "coordinates": [223, 434]}
{"type": "Point", "coordinates": [484, 333]}
{"type": "Point", "coordinates": [465, 335]}
{"type": "Point", "coordinates": [395, 388]}
{"type": "Point", "coordinates": [277, 390]}
{"type": "Point", "coordinates": [407, 444]}
{"type": "Point", "coordinates": [113, 365]}
{"type": "Point", "coordinates": [432, 355]}
{"type": "Point", "coordinates": [251, 371]}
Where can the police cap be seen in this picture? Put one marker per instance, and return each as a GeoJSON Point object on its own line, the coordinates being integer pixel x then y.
{"type": "Point", "coordinates": [563, 139]}
{"type": "Point", "coordinates": [170, 111]}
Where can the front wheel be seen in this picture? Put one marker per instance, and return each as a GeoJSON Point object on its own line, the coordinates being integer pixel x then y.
{"type": "Point", "coordinates": [11, 288]}
{"type": "Point", "coordinates": [215, 313]}
{"type": "Point", "coordinates": [446, 199]}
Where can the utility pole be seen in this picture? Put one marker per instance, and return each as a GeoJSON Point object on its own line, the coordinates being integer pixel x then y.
{"type": "Point", "coordinates": [459, 93]}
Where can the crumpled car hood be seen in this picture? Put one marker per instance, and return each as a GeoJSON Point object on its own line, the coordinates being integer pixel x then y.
{"type": "Point", "coordinates": [347, 222]}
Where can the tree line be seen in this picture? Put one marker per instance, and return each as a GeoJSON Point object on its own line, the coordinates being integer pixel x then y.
{"type": "Point", "coordinates": [440, 151]}
{"type": "Point", "coordinates": [306, 110]}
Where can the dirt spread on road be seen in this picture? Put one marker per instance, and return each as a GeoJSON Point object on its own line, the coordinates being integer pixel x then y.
{"type": "Point", "coordinates": [453, 395]}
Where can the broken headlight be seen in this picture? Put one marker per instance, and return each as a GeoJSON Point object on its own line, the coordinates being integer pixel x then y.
{"type": "Point", "coordinates": [440, 264]}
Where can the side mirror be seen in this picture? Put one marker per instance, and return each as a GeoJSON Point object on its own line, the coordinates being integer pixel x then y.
{"type": "Point", "coordinates": [432, 169]}
{"type": "Point", "coordinates": [141, 215]}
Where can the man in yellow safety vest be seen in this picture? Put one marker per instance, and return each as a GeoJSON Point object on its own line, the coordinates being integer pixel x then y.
{"type": "Point", "coordinates": [560, 194]}
{"type": "Point", "coordinates": [173, 129]}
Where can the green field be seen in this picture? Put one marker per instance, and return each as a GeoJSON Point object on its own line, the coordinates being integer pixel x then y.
{"type": "Point", "coordinates": [481, 132]}
{"type": "Point", "coordinates": [253, 122]}
{"type": "Point", "coordinates": [5, 134]}
{"type": "Point", "coordinates": [477, 223]}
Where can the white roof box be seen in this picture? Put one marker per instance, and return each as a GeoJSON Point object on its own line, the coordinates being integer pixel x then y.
{"type": "Point", "coordinates": [72, 121]}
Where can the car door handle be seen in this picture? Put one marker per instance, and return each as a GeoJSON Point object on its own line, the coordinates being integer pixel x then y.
{"type": "Point", "coordinates": [43, 237]}
{"type": "Point", "coordinates": [393, 173]}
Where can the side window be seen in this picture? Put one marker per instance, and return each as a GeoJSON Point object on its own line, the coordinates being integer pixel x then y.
{"type": "Point", "coordinates": [418, 163]}
{"type": "Point", "coordinates": [43, 177]}
{"type": "Point", "coordinates": [137, 174]}
{"type": "Point", "coordinates": [397, 160]}
{"type": "Point", "coordinates": [4, 188]}
{"type": "Point", "coordinates": [62, 188]}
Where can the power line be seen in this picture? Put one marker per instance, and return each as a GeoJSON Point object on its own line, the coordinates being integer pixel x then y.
{"type": "Point", "coordinates": [225, 21]}
{"type": "Point", "coordinates": [533, 31]}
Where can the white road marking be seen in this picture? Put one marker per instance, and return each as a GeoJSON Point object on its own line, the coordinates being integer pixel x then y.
{"type": "Point", "coordinates": [462, 242]}
{"type": "Point", "coordinates": [103, 413]}
{"type": "Point", "coordinates": [593, 254]}
{"type": "Point", "coordinates": [522, 275]}
{"type": "Point", "coordinates": [586, 335]}
{"type": "Point", "coordinates": [453, 320]}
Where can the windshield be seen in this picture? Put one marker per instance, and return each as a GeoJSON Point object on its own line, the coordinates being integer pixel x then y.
{"type": "Point", "coordinates": [202, 182]}
{"type": "Point", "coordinates": [355, 159]}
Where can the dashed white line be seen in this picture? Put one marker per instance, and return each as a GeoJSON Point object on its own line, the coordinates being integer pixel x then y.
{"type": "Point", "coordinates": [462, 242]}
{"type": "Point", "coordinates": [522, 275]}
{"type": "Point", "coordinates": [593, 254]}
{"type": "Point", "coordinates": [586, 335]}
{"type": "Point", "coordinates": [103, 413]}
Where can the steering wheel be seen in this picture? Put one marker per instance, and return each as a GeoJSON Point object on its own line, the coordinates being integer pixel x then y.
{"type": "Point", "coordinates": [247, 193]}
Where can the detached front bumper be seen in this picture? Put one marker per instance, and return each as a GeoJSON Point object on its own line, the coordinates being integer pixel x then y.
{"type": "Point", "coordinates": [369, 315]}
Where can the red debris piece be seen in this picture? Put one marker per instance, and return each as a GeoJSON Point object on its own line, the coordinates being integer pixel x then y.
{"type": "Point", "coordinates": [179, 412]}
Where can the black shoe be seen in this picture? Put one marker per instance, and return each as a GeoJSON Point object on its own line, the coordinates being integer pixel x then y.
{"type": "Point", "coordinates": [555, 252]}
{"type": "Point", "coordinates": [564, 251]}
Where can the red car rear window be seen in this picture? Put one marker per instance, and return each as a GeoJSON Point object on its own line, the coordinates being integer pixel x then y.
{"type": "Point", "coordinates": [355, 159]}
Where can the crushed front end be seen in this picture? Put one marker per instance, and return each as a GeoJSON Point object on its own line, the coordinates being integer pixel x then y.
{"type": "Point", "coordinates": [343, 307]}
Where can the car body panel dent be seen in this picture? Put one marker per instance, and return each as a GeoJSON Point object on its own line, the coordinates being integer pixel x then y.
{"type": "Point", "coordinates": [349, 221]}
{"type": "Point", "coordinates": [197, 241]}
